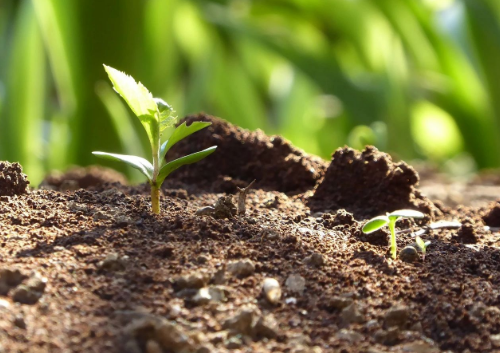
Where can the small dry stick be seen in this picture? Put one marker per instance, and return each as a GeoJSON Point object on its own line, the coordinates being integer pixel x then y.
{"type": "Point", "coordinates": [242, 196]}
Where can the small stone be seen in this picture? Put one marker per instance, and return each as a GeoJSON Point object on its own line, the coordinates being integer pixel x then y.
{"type": "Point", "coordinates": [408, 254]}
{"type": "Point", "coordinates": [349, 335]}
{"type": "Point", "coordinates": [269, 233]}
{"type": "Point", "coordinates": [315, 260]}
{"type": "Point", "coordinates": [25, 295]}
{"type": "Point", "coordinates": [172, 338]}
{"type": "Point", "coordinates": [266, 327]}
{"type": "Point", "coordinates": [419, 347]}
{"type": "Point", "coordinates": [113, 262]}
{"type": "Point", "coordinates": [478, 310]}
{"type": "Point", "coordinates": [195, 280]}
{"type": "Point", "coordinates": [337, 302]}
{"type": "Point", "coordinates": [251, 220]}
{"type": "Point", "coordinates": [11, 277]}
{"type": "Point", "coordinates": [219, 277]}
{"type": "Point", "coordinates": [205, 211]}
{"type": "Point", "coordinates": [351, 315]}
{"type": "Point", "coordinates": [244, 321]}
{"type": "Point", "coordinates": [4, 304]}
{"type": "Point", "coordinates": [201, 297]}
{"type": "Point", "coordinates": [397, 315]}
{"type": "Point", "coordinates": [417, 327]}
{"type": "Point", "coordinates": [208, 294]}
{"type": "Point", "coordinates": [19, 322]}
{"type": "Point", "coordinates": [296, 283]}
{"type": "Point", "coordinates": [272, 290]}
{"type": "Point", "coordinates": [217, 337]}
{"type": "Point", "coordinates": [372, 324]}
{"type": "Point", "coordinates": [495, 340]}
{"type": "Point", "coordinates": [234, 342]}
{"type": "Point", "coordinates": [388, 337]}
{"type": "Point", "coordinates": [242, 268]}
{"type": "Point", "coordinates": [202, 259]}
{"type": "Point", "coordinates": [37, 283]}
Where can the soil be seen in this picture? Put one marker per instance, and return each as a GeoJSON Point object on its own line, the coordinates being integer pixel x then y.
{"type": "Point", "coordinates": [86, 267]}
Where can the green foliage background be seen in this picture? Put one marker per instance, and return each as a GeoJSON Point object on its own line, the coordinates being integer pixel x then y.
{"type": "Point", "coordinates": [418, 78]}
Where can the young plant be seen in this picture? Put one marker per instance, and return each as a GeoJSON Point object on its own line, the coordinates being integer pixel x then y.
{"type": "Point", "coordinates": [422, 245]}
{"type": "Point", "coordinates": [155, 116]}
{"type": "Point", "coordinates": [390, 220]}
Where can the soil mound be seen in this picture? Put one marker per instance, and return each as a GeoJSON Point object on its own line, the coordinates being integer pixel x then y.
{"type": "Point", "coordinates": [492, 216]}
{"type": "Point", "coordinates": [244, 155]}
{"type": "Point", "coordinates": [12, 180]}
{"type": "Point", "coordinates": [82, 178]}
{"type": "Point", "coordinates": [368, 184]}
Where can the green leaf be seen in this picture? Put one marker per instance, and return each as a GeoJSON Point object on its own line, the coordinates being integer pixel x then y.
{"type": "Point", "coordinates": [179, 162]}
{"type": "Point", "coordinates": [375, 224]}
{"type": "Point", "coordinates": [139, 99]}
{"type": "Point", "coordinates": [181, 132]}
{"type": "Point", "coordinates": [420, 243]}
{"type": "Point", "coordinates": [167, 119]}
{"type": "Point", "coordinates": [143, 165]}
{"type": "Point", "coordinates": [406, 213]}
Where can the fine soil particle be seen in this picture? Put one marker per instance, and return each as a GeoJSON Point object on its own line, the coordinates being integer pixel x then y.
{"type": "Point", "coordinates": [243, 156]}
{"type": "Point", "coordinates": [93, 270]}
{"type": "Point", "coordinates": [82, 178]}
{"type": "Point", "coordinates": [368, 184]}
{"type": "Point", "coordinates": [12, 180]}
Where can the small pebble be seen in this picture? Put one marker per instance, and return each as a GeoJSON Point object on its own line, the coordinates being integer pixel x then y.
{"type": "Point", "coordinates": [397, 315]}
{"type": "Point", "coordinates": [242, 268]}
{"type": "Point", "coordinates": [408, 254]}
{"type": "Point", "coordinates": [351, 314]}
{"type": "Point", "coordinates": [19, 322]}
{"type": "Point", "coordinates": [272, 290]}
{"type": "Point", "coordinates": [205, 211]}
{"type": "Point", "coordinates": [315, 260]}
{"type": "Point", "coordinates": [296, 283]}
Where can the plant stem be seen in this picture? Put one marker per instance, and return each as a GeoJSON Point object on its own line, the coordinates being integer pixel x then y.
{"type": "Point", "coordinates": [394, 246]}
{"type": "Point", "coordinates": [155, 198]}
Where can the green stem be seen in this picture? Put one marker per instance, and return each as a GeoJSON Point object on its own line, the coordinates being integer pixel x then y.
{"type": "Point", "coordinates": [155, 198]}
{"type": "Point", "coordinates": [394, 246]}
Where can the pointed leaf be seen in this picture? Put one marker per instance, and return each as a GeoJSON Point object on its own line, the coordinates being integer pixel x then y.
{"type": "Point", "coordinates": [138, 98]}
{"type": "Point", "coordinates": [179, 162]}
{"type": "Point", "coordinates": [181, 132]}
{"type": "Point", "coordinates": [167, 119]}
{"type": "Point", "coordinates": [375, 224]}
{"type": "Point", "coordinates": [420, 243]}
{"type": "Point", "coordinates": [406, 213]}
{"type": "Point", "coordinates": [143, 165]}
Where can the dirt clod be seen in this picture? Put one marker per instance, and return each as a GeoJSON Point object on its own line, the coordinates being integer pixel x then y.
{"type": "Point", "coordinates": [12, 180]}
{"type": "Point", "coordinates": [492, 216]}
{"type": "Point", "coordinates": [82, 178]}
{"type": "Point", "coordinates": [368, 184]}
{"type": "Point", "coordinates": [245, 155]}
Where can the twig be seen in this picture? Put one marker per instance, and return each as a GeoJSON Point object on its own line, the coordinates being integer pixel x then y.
{"type": "Point", "coordinates": [242, 196]}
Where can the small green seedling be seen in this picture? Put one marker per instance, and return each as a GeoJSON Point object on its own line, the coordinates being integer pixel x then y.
{"type": "Point", "coordinates": [155, 116]}
{"type": "Point", "coordinates": [390, 220]}
{"type": "Point", "coordinates": [422, 245]}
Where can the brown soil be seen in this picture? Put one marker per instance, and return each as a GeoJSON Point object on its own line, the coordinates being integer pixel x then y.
{"type": "Point", "coordinates": [93, 270]}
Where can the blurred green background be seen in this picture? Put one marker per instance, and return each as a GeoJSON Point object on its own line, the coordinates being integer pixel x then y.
{"type": "Point", "coordinates": [417, 78]}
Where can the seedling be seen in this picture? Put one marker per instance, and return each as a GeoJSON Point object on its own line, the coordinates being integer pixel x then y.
{"type": "Point", "coordinates": [155, 116]}
{"type": "Point", "coordinates": [390, 220]}
{"type": "Point", "coordinates": [422, 245]}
